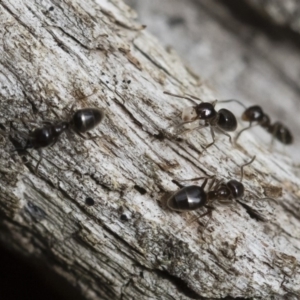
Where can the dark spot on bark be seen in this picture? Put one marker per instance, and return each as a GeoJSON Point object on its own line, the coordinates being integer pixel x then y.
{"type": "Point", "coordinates": [51, 8]}
{"type": "Point", "coordinates": [89, 201]}
{"type": "Point", "coordinates": [140, 189]}
{"type": "Point", "coordinates": [2, 127]}
{"type": "Point", "coordinates": [124, 217]}
{"type": "Point", "coordinates": [253, 213]}
{"type": "Point", "coordinates": [180, 284]}
{"type": "Point", "coordinates": [160, 136]}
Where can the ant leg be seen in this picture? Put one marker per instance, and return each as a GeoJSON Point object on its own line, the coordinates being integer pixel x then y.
{"type": "Point", "coordinates": [273, 132]}
{"type": "Point", "coordinates": [213, 137]}
{"type": "Point", "coordinates": [87, 138]}
{"type": "Point", "coordinates": [186, 122]}
{"type": "Point", "coordinates": [209, 212]}
{"type": "Point", "coordinates": [244, 165]}
{"type": "Point", "coordinates": [195, 218]}
{"type": "Point", "coordinates": [71, 110]}
{"type": "Point", "coordinates": [232, 100]}
{"type": "Point", "coordinates": [41, 157]}
{"type": "Point", "coordinates": [227, 134]}
{"type": "Point", "coordinates": [244, 129]}
{"type": "Point", "coordinates": [218, 183]}
{"type": "Point", "coordinates": [189, 130]}
{"type": "Point", "coordinates": [204, 183]}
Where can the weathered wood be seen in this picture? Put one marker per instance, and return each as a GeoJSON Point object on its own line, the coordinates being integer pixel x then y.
{"type": "Point", "coordinates": [129, 245]}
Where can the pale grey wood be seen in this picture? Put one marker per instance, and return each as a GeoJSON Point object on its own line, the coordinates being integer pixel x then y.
{"type": "Point", "coordinates": [53, 57]}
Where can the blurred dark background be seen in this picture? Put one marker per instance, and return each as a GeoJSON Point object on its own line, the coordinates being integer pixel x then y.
{"type": "Point", "coordinates": [20, 280]}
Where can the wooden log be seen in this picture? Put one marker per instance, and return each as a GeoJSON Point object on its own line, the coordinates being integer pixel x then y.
{"type": "Point", "coordinates": [129, 245]}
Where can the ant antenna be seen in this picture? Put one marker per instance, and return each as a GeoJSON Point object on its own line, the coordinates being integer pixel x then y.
{"type": "Point", "coordinates": [244, 129]}
{"type": "Point", "coordinates": [182, 97]}
{"type": "Point", "coordinates": [194, 97]}
{"type": "Point", "coordinates": [244, 165]}
{"type": "Point", "coordinates": [233, 100]}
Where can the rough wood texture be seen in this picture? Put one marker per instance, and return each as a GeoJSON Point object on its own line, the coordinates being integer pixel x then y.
{"type": "Point", "coordinates": [129, 245]}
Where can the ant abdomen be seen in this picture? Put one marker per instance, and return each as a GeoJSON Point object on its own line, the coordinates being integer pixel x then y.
{"type": "Point", "coordinates": [281, 133]}
{"type": "Point", "coordinates": [188, 198]}
{"type": "Point", "coordinates": [86, 119]}
{"type": "Point", "coordinates": [227, 120]}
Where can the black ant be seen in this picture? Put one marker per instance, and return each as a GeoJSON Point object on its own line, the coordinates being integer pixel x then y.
{"type": "Point", "coordinates": [192, 197]}
{"type": "Point", "coordinates": [223, 119]}
{"type": "Point", "coordinates": [255, 114]}
{"type": "Point", "coordinates": [82, 121]}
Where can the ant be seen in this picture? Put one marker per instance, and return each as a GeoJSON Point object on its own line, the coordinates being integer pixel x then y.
{"type": "Point", "coordinates": [82, 121]}
{"type": "Point", "coordinates": [192, 197]}
{"type": "Point", "coordinates": [223, 119]}
{"type": "Point", "coordinates": [255, 114]}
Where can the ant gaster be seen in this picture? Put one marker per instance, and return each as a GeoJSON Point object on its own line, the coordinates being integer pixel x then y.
{"type": "Point", "coordinates": [82, 121]}
{"type": "Point", "coordinates": [255, 114]}
{"type": "Point", "coordinates": [223, 119]}
{"type": "Point", "coordinates": [192, 197]}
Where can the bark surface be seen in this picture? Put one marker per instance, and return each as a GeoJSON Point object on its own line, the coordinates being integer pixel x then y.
{"type": "Point", "coordinates": [129, 245]}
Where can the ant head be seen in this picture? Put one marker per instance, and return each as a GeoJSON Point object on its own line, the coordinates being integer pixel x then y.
{"type": "Point", "coordinates": [205, 111]}
{"type": "Point", "coordinates": [236, 188]}
{"type": "Point", "coordinates": [253, 114]}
